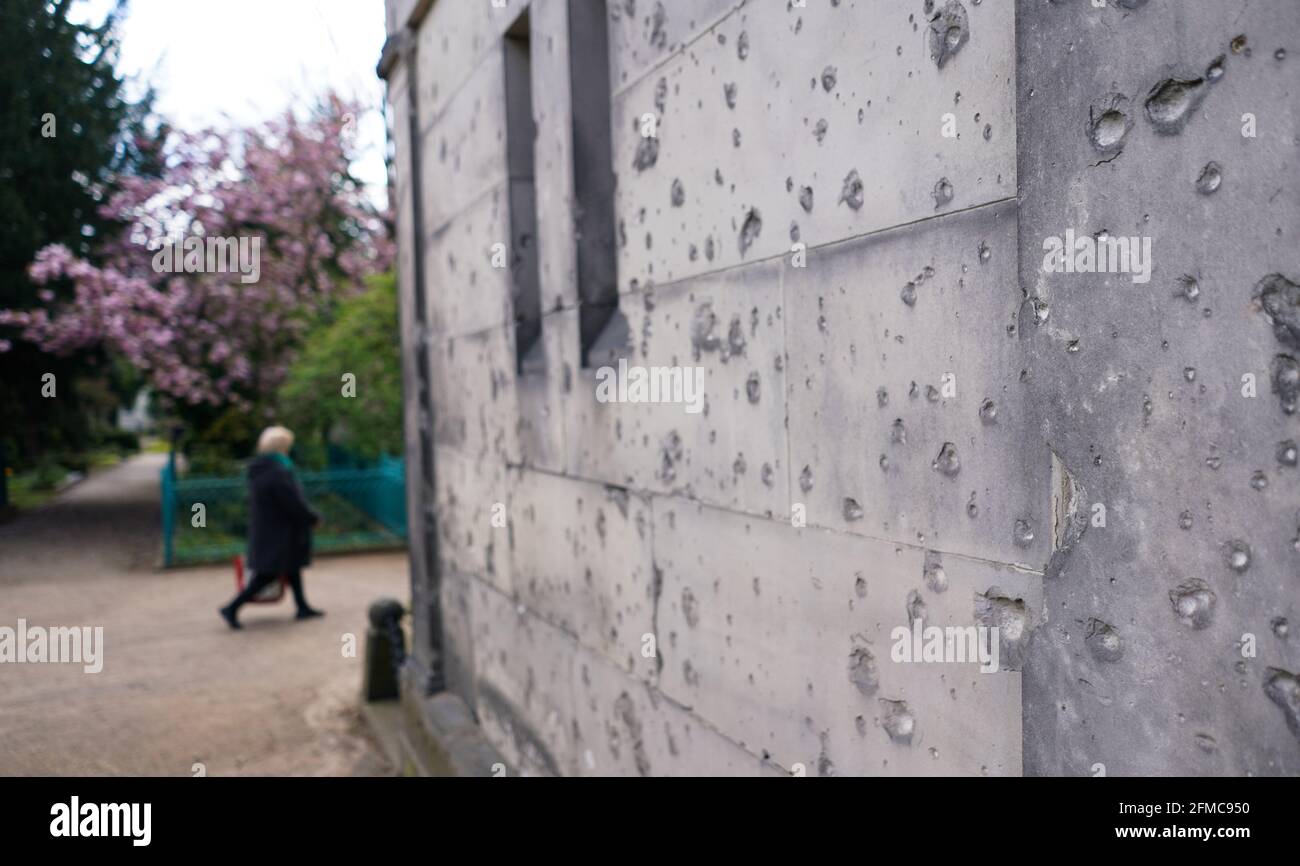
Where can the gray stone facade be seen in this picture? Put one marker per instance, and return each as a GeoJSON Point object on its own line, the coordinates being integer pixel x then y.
{"type": "Point", "coordinates": [838, 212]}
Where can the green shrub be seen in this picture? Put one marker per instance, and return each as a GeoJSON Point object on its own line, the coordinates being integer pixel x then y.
{"type": "Point", "coordinates": [123, 442]}
{"type": "Point", "coordinates": [48, 474]}
{"type": "Point", "coordinates": [364, 340]}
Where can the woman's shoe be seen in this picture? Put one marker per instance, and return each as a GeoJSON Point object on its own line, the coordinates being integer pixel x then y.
{"type": "Point", "coordinates": [309, 613]}
{"type": "Point", "coordinates": [229, 616]}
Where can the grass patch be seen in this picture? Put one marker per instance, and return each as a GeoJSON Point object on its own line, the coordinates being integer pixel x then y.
{"type": "Point", "coordinates": [37, 485]}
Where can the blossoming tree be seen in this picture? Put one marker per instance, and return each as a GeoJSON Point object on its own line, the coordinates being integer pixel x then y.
{"type": "Point", "coordinates": [211, 341]}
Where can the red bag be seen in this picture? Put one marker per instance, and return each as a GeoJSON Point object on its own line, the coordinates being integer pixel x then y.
{"type": "Point", "coordinates": [270, 594]}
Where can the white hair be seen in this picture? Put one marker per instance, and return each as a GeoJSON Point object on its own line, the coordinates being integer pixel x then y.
{"type": "Point", "coordinates": [275, 440]}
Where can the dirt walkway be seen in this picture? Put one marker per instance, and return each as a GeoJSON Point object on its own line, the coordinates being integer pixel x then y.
{"type": "Point", "coordinates": [177, 687]}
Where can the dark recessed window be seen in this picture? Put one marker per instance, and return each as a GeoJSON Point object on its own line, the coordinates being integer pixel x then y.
{"type": "Point", "coordinates": [593, 171]}
{"type": "Point", "coordinates": [521, 134]}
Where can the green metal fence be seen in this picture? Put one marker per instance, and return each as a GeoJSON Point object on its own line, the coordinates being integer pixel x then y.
{"type": "Point", "coordinates": [361, 509]}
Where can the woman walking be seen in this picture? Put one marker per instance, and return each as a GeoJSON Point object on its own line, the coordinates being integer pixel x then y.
{"type": "Point", "coordinates": [279, 525]}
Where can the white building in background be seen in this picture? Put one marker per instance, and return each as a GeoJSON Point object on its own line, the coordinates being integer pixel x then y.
{"type": "Point", "coordinates": [138, 418]}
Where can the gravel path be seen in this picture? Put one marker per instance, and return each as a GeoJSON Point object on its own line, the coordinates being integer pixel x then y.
{"type": "Point", "coordinates": [178, 688]}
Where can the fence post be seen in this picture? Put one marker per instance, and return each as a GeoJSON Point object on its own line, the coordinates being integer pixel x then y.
{"type": "Point", "coordinates": [167, 503]}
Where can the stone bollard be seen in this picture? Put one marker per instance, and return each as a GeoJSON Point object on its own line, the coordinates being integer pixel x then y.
{"type": "Point", "coordinates": [385, 650]}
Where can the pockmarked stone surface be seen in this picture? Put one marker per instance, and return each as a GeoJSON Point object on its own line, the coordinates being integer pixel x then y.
{"type": "Point", "coordinates": [993, 312]}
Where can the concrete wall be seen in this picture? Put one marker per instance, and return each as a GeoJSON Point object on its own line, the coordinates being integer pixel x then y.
{"type": "Point", "coordinates": [909, 383]}
{"type": "Point", "coordinates": [1147, 410]}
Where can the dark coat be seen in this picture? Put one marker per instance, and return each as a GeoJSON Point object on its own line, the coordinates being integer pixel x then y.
{"type": "Point", "coordinates": [279, 519]}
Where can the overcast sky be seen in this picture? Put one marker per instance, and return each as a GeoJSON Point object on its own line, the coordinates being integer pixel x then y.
{"type": "Point", "coordinates": [249, 59]}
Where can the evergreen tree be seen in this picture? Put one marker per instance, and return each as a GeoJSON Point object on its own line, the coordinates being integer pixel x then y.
{"type": "Point", "coordinates": [67, 131]}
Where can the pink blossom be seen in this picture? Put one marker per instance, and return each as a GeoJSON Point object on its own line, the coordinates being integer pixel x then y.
{"type": "Point", "coordinates": [196, 335]}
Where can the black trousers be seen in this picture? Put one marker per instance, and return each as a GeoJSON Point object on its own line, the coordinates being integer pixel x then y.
{"type": "Point", "coordinates": [260, 582]}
